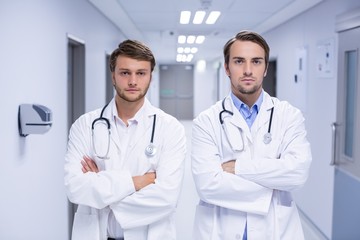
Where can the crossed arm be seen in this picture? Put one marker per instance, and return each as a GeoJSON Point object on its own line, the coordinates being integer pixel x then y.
{"type": "Point", "coordinates": [229, 166]}
{"type": "Point", "coordinates": [88, 165]}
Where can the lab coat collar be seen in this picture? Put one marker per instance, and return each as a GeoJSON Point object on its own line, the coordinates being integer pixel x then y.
{"type": "Point", "coordinates": [144, 118]}
{"type": "Point", "coordinates": [263, 116]}
{"type": "Point", "coordinates": [237, 119]}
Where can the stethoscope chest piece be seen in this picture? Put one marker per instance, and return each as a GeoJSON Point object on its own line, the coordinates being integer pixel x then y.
{"type": "Point", "coordinates": [267, 138]}
{"type": "Point", "coordinates": [150, 150]}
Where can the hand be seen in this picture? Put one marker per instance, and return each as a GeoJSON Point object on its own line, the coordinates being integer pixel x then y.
{"type": "Point", "coordinates": [229, 166]}
{"type": "Point", "coordinates": [88, 165]}
{"type": "Point", "coordinates": [144, 180]}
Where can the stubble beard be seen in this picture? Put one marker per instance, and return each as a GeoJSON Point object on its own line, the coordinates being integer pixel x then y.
{"type": "Point", "coordinates": [122, 94]}
{"type": "Point", "coordinates": [252, 90]}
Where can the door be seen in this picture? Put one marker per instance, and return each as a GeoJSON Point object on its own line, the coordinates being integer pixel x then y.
{"type": "Point", "coordinates": [76, 93]}
{"type": "Point", "coordinates": [346, 139]}
{"type": "Point", "coordinates": [269, 82]}
{"type": "Point", "coordinates": [76, 79]}
{"type": "Point", "coordinates": [177, 90]}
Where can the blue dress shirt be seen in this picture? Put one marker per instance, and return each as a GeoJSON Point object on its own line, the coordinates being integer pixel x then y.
{"type": "Point", "coordinates": [249, 114]}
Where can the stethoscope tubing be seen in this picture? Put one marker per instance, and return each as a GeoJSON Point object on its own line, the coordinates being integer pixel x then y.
{"type": "Point", "coordinates": [267, 136]}
{"type": "Point", "coordinates": [150, 150]}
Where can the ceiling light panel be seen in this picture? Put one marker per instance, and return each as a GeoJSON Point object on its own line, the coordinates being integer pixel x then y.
{"type": "Point", "coordinates": [190, 39]}
{"type": "Point", "coordinates": [193, 50]}
{"type": "Point", "coordinates": [181, 39]}
{"type": "Point", "coordinates": [185, 17]}
{"type": "Point", "coordinates": [199, 17]}
{"type": "Point", "coordinates": [213, 17]}
{"type": "Point", "coordinates": [200, 39]}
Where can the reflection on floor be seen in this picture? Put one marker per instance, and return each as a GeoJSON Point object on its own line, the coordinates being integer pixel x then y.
{"type": "Point", "coordinates": [189, 199]}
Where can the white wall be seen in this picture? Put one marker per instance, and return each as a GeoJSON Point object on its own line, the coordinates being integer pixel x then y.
{"type": "Point", "coordinates": [308, 30]}
{"type": "Point", "coordinates": [205, 87]}
{"type": "Point", "coordinates": [33, 64]}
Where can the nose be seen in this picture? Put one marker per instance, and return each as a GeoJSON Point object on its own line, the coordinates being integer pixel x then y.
{"type": "Point", "coordinates": [247, 69]}
{"type": "Point", "coordinates": [132, 80]}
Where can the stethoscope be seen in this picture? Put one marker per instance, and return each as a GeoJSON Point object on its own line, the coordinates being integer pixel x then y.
{"type": "Point", "coordinates": [267, 136]}
{"type": "Point", "coordinates": [150, 149]}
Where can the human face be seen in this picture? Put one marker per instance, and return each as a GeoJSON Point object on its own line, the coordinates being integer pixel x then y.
{"type": "Point", "coordinates": [246, 70]}
{"type": "Point", "coordinates": [131, 79]}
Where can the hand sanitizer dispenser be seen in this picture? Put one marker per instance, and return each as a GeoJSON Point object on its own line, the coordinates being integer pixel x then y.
{"type": "Point", "coordinates": [34, 119]}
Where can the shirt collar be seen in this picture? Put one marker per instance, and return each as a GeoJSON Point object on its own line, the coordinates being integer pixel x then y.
{"type": "Point", "coordinates": [240, 104]}
{"type": "Point", "coordinates": [138, 115]}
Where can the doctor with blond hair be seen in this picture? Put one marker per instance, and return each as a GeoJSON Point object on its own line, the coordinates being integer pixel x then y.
{"type": "Point", "coordinates": [124, 164]}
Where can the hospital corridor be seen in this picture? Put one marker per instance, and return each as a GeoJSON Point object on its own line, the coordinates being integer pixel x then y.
{"type": "Point", "coordinates": [95, 94]}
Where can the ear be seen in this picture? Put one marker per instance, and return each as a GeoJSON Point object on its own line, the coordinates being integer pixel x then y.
{"type": "Point", "coordinates": [227, 69]}
{"type": "Point", "coordinates": [266, 70]}
{"type": "Point", "coordinates": [113, 79]}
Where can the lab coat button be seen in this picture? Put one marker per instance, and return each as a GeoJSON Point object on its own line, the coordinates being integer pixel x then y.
{"type": "Point", "coordinates": [238, 236]}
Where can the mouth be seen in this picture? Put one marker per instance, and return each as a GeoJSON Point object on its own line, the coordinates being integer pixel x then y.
{"type": "Point", "coordinates": [132, 90]}
{"type": "Point", "coordinates": [247, 80]}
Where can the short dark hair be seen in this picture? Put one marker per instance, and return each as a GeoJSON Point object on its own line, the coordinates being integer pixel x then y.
{"type": "Point", "coordinates": [247, 36]}
{"type": "Point", "coordinates": [133, 49]}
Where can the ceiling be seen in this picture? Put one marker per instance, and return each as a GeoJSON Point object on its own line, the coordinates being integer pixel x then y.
{"type": "Point", "coordinates": [156, 22]}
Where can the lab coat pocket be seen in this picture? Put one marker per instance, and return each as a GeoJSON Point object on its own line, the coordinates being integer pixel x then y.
{"type": "Point", "coordinates": [86, 227]}
{"type": "Point", "coordinates": [288, 220]}
{"type": "Point", "coordinates": [204, 222]}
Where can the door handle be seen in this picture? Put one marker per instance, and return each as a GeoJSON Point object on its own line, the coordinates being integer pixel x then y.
{"type": "Point", "coordinates": [334, 126]}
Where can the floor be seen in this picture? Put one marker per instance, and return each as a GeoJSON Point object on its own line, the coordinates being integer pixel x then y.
{"type": "Point", "coordinates": [189, 199]}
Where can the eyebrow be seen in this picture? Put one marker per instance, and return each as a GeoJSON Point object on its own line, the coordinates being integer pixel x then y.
{"type": "Point", "coordinates": [127, 69]}
{"type": "Point", "coordinates": [254, 58]}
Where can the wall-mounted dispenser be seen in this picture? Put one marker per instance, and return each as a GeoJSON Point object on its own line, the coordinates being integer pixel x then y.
{"type": "Point", "coordinates": [34, 119]}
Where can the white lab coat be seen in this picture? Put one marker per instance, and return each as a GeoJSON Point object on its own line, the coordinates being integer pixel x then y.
{"type": "Point", "coordinates": [259, 192]}
{"type": "Point", "coordinates": [147, 214]}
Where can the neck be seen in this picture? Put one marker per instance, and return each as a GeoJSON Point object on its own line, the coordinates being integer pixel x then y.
{"type": "Point", "coordinates": [249, 99]}
{"type": "Point", "coordinates": [126, 109]}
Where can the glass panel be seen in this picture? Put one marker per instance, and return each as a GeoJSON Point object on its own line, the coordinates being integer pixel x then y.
{"type": "Point", "coordinates": [351, 76]}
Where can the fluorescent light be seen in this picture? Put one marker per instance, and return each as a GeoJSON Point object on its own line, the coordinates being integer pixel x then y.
{"type": "Point", "coordinates": [181, 39]}
{"type": "Point", "coordinates": [187, 50]}
{"type": "Point", "coordinates": [193, 50]}
{"type": "Point", "coordinates": [185, 17]}
{"type": "Point", "coordinates": [183, 58]}
{"type": "Point", "coordinates": [213, 16]}
{"type": "Point", "coordinates": [178, 57]}
{"type": "Point", "coordinates": [180, 50]}
{"type": "Point", "coordinates": [189, 57]}
{"type": "Point", "coordinates": [190, 39]}
{"type": "Point", "coordinates": [199, 17]}
{"type": "Point", "coordinates": [200, 39]}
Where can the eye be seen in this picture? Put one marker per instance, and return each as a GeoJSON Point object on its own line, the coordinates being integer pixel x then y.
{"type": "Point", "coordinates": [124, 73]}
{"type": "Point", "coordinates": [141, 73]}
{"type": "Point", "coordinates": [257, 61]}
{"type": "Point", "coordinates": [238, 61]}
